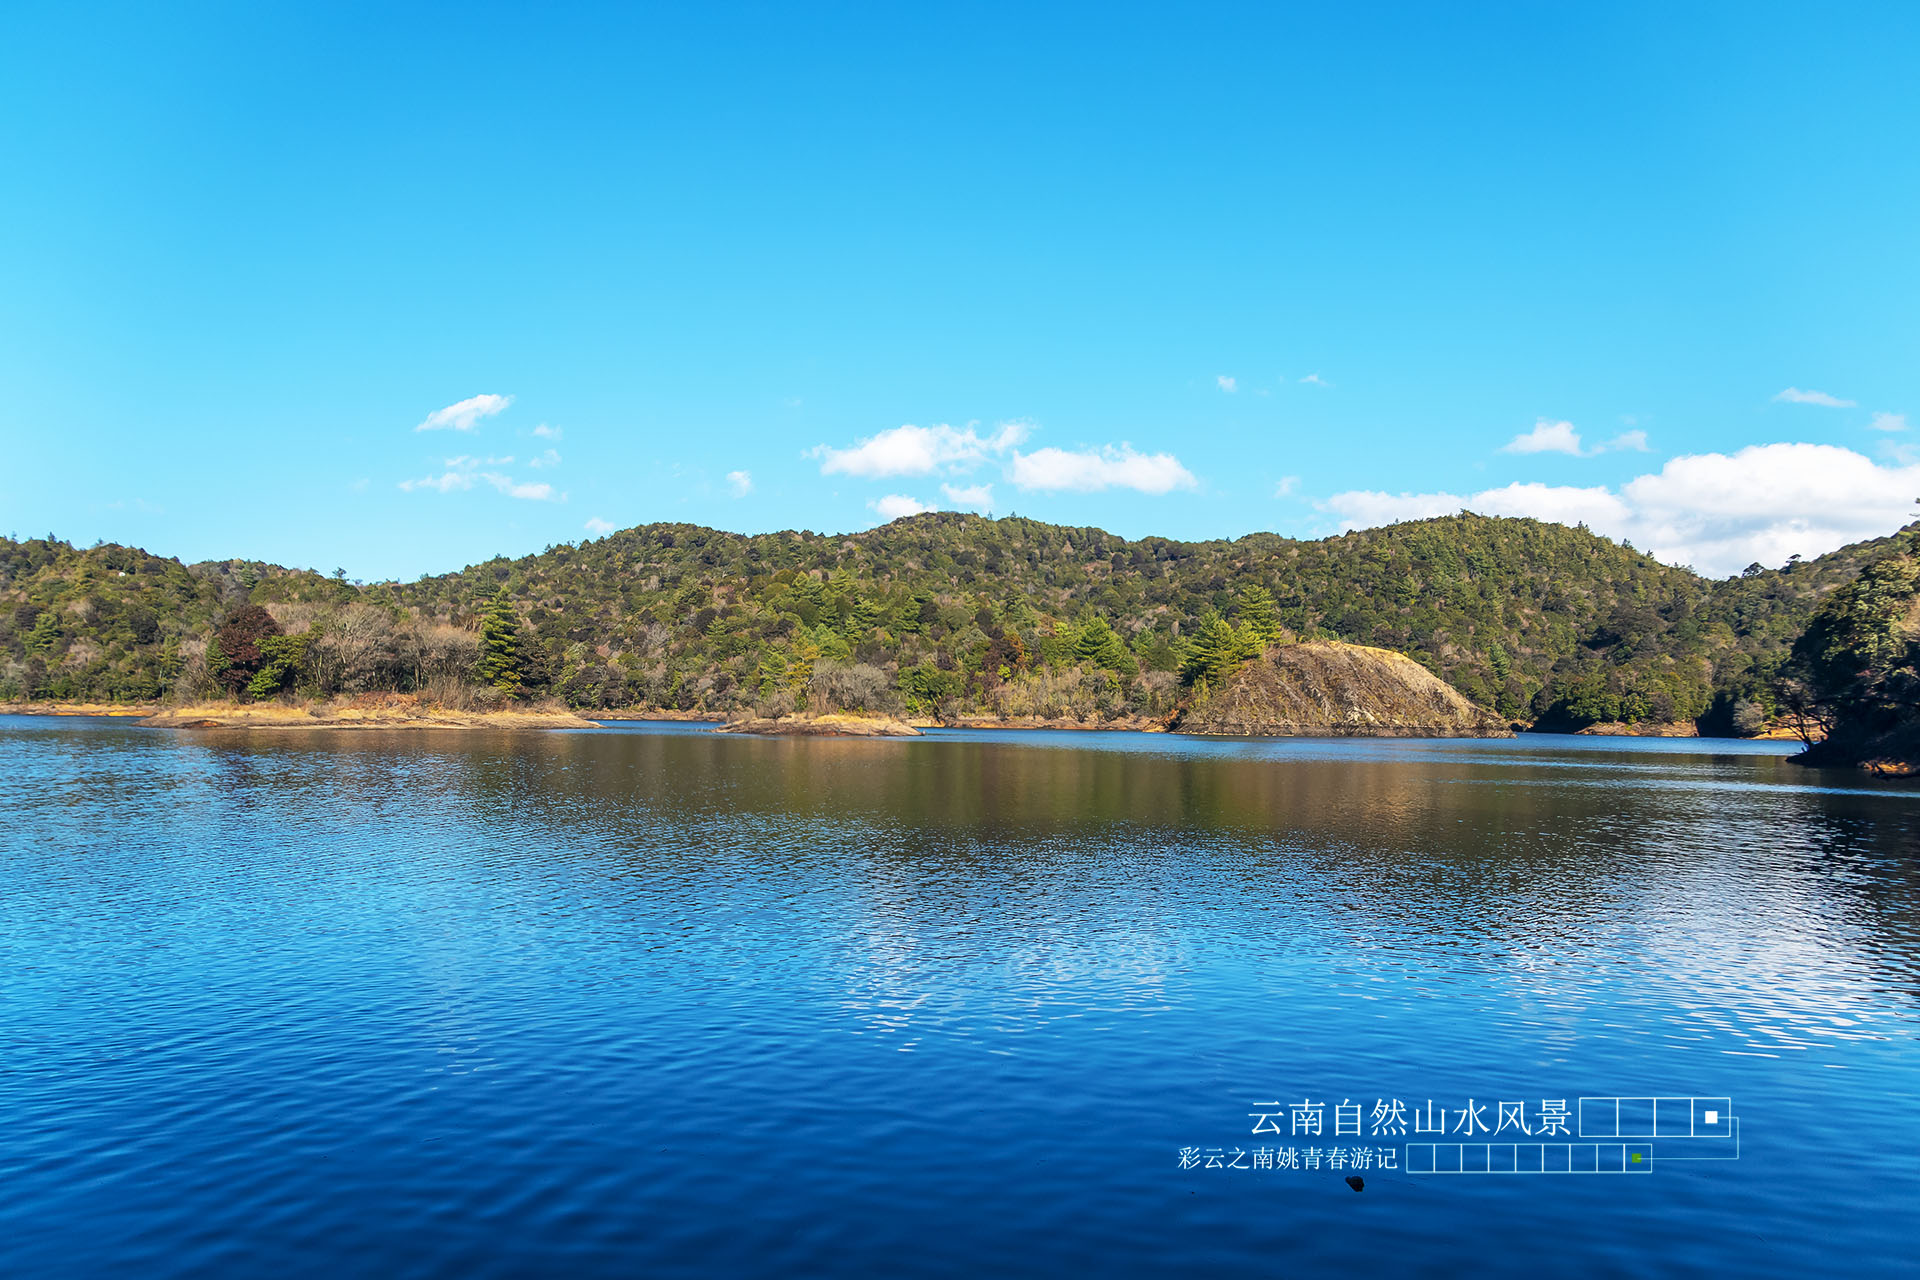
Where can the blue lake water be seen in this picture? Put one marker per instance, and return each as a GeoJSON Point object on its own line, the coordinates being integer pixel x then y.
{"type": "Point", "coordinates": [647, 1001]}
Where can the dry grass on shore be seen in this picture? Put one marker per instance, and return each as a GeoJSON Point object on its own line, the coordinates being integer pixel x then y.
{"type": "Point", "coordinates": [839, 724]}
{"type": "Point", "coordinates": [120, 709]}
{"type": "Point", "coordinates": [363, 711]}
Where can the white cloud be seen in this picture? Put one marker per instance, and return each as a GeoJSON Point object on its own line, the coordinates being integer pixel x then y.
{"type": "Point", "coordinates": [541, 492]}
{"type": "Point", "coordinates": [1314, 379]}
{"type": "Point", "coordinates": [546, 432]}
{"type": "Point", "coordinates": [466, 414]}
{"type": "Point", "coordinates": [597, 525]}
{"type": "Point", "coordinates": [1010, 434]}
{"type": "Point", "coordinates": [1794, 395]}
{"type": "Point", "coordinates": [1546, 437]}
{"type": "Point", "coordinates": [1889, 422]}
{"type": "Point", "coordinates": [1562, 437]}
{"type": "Point", "coordinates": [1767, 502]}
{"type": "Point", "coordinates": [1287, 487]}
{"type": "Point", "coordinates": [917, 451]}
{"type": "Point", "coordinates": [551, 458]}
{"type": "Point", "coordinates": [1090, 470]}
{"type": "Point", "coordinates": [977, 496]}
{"type": "Point", "coordinates": [464, 472]}
{"type": "Point", "coordinates": [1227, 384]}
{"type": "Point", "coordinates": [446, 483]}
{"type": "Point", "coordinates": [895, 505]}
{"type": "Point", "coordinates": [1560, 503]}
{"type": "Point", "coordinates": [1716, 512]}
{"type": "Point", "coordinates": [740, 483]}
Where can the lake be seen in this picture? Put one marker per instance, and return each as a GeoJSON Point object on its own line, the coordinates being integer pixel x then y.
{"type": "Point", "coordinates": [644, 1000]}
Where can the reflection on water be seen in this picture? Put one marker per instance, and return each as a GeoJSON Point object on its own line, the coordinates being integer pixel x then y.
{"type": "Point", "coordinates": [646, 999]}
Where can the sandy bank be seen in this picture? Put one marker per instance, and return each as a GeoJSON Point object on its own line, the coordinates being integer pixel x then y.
{"type": "Point", "coordinates": [631, 713]}
{"type": "Point", "coordinates": [122, 709]}
{"type": "Point", "coordinates": [825, 726]}
{"type": "Point", "coordinates": [1126, 724]}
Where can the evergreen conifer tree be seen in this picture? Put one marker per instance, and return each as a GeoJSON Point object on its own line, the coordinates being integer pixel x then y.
{"type": "Point", "coordinates": [45, 633]}
{"type": "Point", "coordinates": [1097, 645]}
{"type": "Point", "coordinates": [1212, 651]}
{"type": "Point", "coordinates": [500, 645]}
{"type": "Point", "coordinates": [1259, 614]}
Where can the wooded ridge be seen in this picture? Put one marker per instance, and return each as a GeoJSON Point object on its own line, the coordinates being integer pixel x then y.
{"type": "Point", "coordinates": [940, 614]}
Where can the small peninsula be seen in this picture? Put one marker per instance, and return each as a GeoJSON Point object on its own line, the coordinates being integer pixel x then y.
{"type": "Point", "coordinates": [1326, 689]}
{"type": "Point", "coordinates": [830, 725]}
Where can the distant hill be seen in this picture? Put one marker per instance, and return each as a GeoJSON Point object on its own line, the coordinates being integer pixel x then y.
{"type": "Point", "coordinates": [954, 612]}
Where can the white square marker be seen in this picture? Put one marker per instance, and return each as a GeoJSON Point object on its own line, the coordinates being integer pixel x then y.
{"type": "Point", "coordinates": [1713, 1117]}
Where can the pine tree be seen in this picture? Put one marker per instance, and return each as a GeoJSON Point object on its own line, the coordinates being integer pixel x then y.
{"type": "Point", "coordinates": [863, 616]}
{"type": "Point", "coordinates": [500, 645]}
{"type": "Point", "coordinates": [1212, 651]}
{"type": "Point", "coordinates": [1259, 614]}
{"type": "Point", "coordinates": [1499, 663]}
{"type": "Point", "coordinates": [1096, 645]}
{"type": "Point", "coordinates": [1248, 643]}
{"type": "Point", "coordinates": [45, 633]}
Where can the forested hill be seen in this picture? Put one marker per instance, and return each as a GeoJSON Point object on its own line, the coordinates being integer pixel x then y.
{"type": "Point", "coordinates": [963, 613]}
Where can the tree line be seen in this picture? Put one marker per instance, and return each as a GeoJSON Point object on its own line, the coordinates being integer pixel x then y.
{"type": "Point", "coordinates": [938, 614]}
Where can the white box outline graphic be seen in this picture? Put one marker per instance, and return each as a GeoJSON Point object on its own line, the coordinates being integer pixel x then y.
{"type": "Point", "coordinates": [1617, 1151]}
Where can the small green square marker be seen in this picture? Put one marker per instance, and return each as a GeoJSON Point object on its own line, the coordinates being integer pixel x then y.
{"type": "Point", "coordinates": [1636, 1157]}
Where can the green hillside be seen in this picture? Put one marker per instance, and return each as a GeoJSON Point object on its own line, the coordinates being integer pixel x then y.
{"type": "Point", "coordinates": [959, 613]}
{"type": "Point", "coordinates": [1855, 671]}
{"type": "Point", "coordinates": [115, 624]}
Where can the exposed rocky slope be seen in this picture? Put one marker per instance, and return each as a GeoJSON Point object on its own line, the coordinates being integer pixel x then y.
{"type": "Point", "coordinates": [1329, 690]}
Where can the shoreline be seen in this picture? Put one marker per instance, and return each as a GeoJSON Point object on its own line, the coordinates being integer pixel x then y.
{"type": "Point", "coordinates": [401, 712]}
{"type": "Point", "coordinates": [369, 713]}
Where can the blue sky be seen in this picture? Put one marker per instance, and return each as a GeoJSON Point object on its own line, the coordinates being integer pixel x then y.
{"type": "Point", "coordinates": [395, 290]}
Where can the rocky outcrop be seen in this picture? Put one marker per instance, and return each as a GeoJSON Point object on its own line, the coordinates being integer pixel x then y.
{"type": "Point", "coordinates": [1332, 690]}
{"type": "Point", "coordinates": [1892, 753]}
